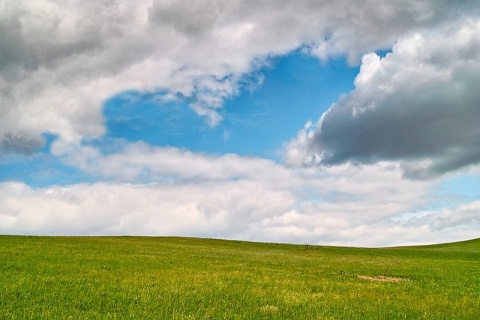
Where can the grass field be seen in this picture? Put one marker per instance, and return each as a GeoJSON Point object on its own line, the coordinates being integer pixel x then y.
{"type": "Point", "coordinates": [185, 278]}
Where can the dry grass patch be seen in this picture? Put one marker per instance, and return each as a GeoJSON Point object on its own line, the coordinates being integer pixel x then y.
{"type": "Point", "coordinates": [269, 308]}
{"type": "Point", "coordinates": [382, 278]}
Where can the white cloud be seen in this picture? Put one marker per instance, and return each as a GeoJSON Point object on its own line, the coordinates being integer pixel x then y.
{"type": "Point", "coordinates": [228, 197]}
{"type": "Point", "coordinates": [222, 209]}
{"type": "Point", "coordinates": [335, 224]}
{"type": "Point", "coordinates": [240, 209]}
{"type": "Point", "coordinates": [417, 105]}
{"type": "Point", "coordinates": [139, 161]}
{"type": "Point", "coordinates": [60, 60]}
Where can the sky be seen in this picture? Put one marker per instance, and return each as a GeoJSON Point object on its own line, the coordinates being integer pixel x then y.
{"type": "Point", "coordinates": [315, 122]}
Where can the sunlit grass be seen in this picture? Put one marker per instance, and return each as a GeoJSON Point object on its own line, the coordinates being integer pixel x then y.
{"type": "Point", "coordinates": [182, 278]}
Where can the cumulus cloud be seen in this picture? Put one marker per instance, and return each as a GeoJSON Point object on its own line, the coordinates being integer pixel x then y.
{"type": "Point", "coordinates": [60, 60]}
{"type": "Point", "coordinates": [419, 105]}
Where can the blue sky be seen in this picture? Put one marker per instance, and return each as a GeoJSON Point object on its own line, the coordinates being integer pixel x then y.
{"type": "Point", "coordinates": [322, 123]}
{"type": "Point", "coordinates": [295, 88]}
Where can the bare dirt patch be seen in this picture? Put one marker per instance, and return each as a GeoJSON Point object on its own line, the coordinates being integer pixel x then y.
{"type": "Point", "coordinates": [382, 278]}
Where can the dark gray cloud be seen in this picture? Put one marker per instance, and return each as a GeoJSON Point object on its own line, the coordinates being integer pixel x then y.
{"type": "Point", "coordinates": [419, 105]}
{"type": "Point", "coordinates": [15, 143]}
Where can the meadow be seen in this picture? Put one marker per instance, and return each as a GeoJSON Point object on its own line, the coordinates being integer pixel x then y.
{"type": "Point", "coordinates": [189, 278]}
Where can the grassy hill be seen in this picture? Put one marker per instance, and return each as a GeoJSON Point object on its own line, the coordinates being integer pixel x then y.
{"type": "Point", "coordinates": [185, 278]}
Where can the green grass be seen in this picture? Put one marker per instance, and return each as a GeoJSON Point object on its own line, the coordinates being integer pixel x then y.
{"type": "Point", "coordinates": [184, 278]}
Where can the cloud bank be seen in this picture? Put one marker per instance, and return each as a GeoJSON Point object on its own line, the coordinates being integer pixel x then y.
{"type": "Point", "coordinates": [338, 206]}
{"type": "Point", "coordinates": [353, 211]}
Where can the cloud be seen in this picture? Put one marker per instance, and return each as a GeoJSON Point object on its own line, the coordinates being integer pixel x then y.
{"type": "Point", "coordinates": [465, 216]}
{"type": "Point", "coordinates": [141, 162]}
{"type": "Point", "coordinates": [228, 209]}
{"type": "Point", "coordinates": [419, 105]}
{"type": "Point", "coordinates": [222, 209]}
{"type": "Point", "coordinates": [170, 191]}
{"type": "Point", "coordinates": [60, 61]}
{"type": "Point", "coordinates": [20, 143]}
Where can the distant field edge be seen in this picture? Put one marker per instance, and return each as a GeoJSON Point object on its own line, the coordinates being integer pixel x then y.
{"type": "Point", "coordinates": [467, 242]}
